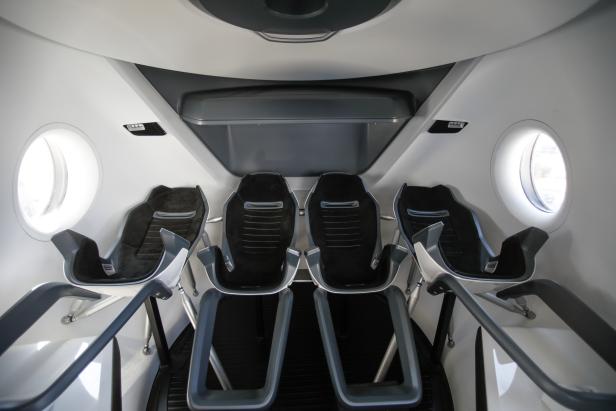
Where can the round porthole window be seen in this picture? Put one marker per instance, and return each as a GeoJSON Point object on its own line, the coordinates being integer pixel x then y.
{"type": "Point", "coordinates": [529, 170]}
{"type": "Point", "coordinates": [57, 179]}
{"type": "Point", "coordinates": [543, 173]}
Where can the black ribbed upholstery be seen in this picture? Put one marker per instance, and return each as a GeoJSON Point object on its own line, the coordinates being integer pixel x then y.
{"type": "Point", "coordinates": [152, 244]}
{"type": "Point", "coordinates": [344, 225]}
{"type": "Point", "coordinates": [261, 231]}
{"type": "Point", "coordinates": [259, 226]}
{"type": "Point", "coordinates": [460, 243]}
{"type": "Point", "coordinates": [179, 210]}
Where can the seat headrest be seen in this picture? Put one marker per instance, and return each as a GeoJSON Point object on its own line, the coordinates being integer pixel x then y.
{"type": "Point", "coordinates": [428, 198]}
{"type": "Point", "coordinates": [263, 187]}
{"type": "Point", "coordinates": [340, 187]}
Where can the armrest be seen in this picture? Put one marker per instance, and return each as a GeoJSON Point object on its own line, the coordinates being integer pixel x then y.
{"type": "Point", "coordinates": [428, 252]}
{"type": "Point", "coordinates": [406, 394]}
{"type": "Point", "coordinates": [211, 259]}
{"type": "Point", "coordinates": [202, 398]}
{"type": "Point", "coordinates": [517, 257]}
{"type": "Point", "coordinates": [175, 253]}
{"type": "Point", "coordinates": [392, 256]}
{"type": "Point", "coordinates": [81, 258]}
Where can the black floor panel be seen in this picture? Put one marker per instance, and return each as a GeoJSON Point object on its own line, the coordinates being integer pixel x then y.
{"type": "Point", "coordinates": [243, 336]}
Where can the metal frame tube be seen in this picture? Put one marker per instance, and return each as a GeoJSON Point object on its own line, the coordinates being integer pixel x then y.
{"type": "Point", "coordinates": [392, 348]}
{"type": "Point", "coordinates": [191, 278]}
{"type": "Point", "coordinates": [158, 332]}
{"type": "Point", "coordinates": [147, 336]}
{"type": "Point", "coordinates": [78, 311]}
{"type": "Point", "coordinates": [442, 329]}
{"type": "Point", "coordinates": [191, 312]}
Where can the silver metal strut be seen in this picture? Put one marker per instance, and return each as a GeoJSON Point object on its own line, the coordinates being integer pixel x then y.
{"type": "Point", "coordinates": [392, 348]}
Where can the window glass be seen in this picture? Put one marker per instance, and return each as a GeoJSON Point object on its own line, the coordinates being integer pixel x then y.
{"type": "Point", "coordinates": [56, 181]}
{"type": "Point", "coordinates": [543, 173]}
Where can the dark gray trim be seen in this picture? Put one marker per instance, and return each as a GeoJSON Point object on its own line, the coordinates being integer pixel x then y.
{"type": "Point", "coordinates": [481, 399]}
{"type": "Point", "coordinates": [174, 85]}
{"type": "Point", "coordinates": [407, 394]}
{"type": "Point", "coordinates": [158, 331]}
{"type": "Point", "coordinates": [567, 397]}
{"type": "Point", "coordinates": [263, 205]}
{"type": "Point", "coordinates": [296, 105]}
{"type": "Point", "coordinates": [53, 292]}
{"type": "Point", "coordinates": [202, 398]}
{"type": "Point", "coordinates": [339, 204]}
{"type": "Point", "coordinates": [427, 214]}
{"type": "Point", "coordinates": [116, 377]}
{"type": "Point", "coordinates": [586, 323]}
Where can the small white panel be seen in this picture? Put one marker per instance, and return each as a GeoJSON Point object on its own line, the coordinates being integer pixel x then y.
{"type": "Point", "coordinates": [30, 368]}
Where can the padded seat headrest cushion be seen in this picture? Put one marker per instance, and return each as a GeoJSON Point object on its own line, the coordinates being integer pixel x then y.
{"type": "Point", "coordinates": [263, 187]}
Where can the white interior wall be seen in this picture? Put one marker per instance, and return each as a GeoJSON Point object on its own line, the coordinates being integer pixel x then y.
{"type": "Point", "coordinates": [43, 82]}
{"type": "Point", "coordinates": [564, 79]}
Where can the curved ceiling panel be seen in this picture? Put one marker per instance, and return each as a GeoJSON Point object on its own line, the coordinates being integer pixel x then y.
{"type": "Point", "coordinates": [178, 35]}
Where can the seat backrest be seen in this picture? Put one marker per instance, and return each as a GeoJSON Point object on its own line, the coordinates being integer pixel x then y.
{"type": "Point", "coordinates": [180, 210]}
{"type": "Point", "coordinates": [343, 220]}
{"type": "Point", "coordinates": [259, 227]}
{"type": "Point", "coordinates": [460, 241]}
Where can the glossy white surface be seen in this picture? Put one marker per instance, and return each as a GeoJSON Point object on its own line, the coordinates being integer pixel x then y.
{"type": "Point", "coordinates": [560, 353]}
{"type": "Point", "coordinates": [28, 369]}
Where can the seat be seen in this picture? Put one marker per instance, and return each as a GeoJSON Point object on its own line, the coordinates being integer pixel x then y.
{"type": "Point", "coordinates": [347, 258]}
{"type": "Point", "coordinates": [256, 258]}
{"type": "Point", "coordinates": [447, 239]}
{"type": "Point", "coordinates": [158, 236]}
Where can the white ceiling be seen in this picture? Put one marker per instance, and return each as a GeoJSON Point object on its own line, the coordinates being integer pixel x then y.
{"type": "Point", "coordinates": [174, 34]}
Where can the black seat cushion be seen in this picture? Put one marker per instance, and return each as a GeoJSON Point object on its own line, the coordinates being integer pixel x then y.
{"type": "Point", "coordinates": [419, 207]}
{"type": "Point", "coordinates": [259, 226]}
{"type": "Point", "coordinates": [344, 224]}
{"type": "Point", "coordinates": [179, 210]}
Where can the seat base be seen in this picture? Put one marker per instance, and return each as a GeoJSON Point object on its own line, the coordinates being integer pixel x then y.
{"type": "Point", "coordinates": [305, 382]}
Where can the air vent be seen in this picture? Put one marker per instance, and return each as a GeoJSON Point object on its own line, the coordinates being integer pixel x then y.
{"type": "Point", "coordinates": [145, 129]}
{"type": "Point", "coordinates": [447, 127]}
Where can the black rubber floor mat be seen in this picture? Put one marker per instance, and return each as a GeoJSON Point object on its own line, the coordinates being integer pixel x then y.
{"type": "Point", "coordinates": [242, 340]}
